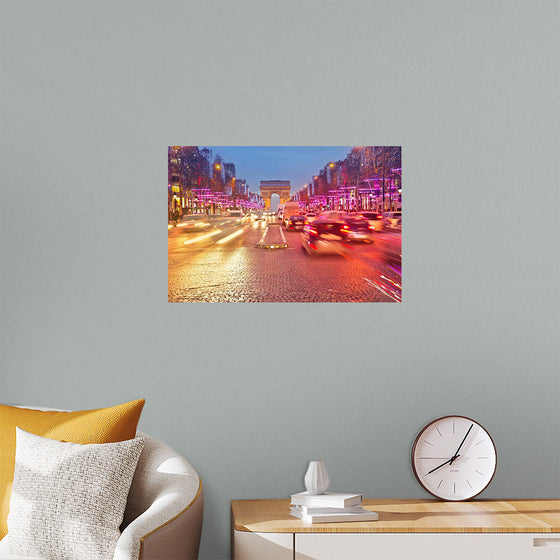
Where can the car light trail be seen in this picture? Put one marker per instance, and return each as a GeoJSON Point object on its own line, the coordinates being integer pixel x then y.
{"type": "Point", "coordinates": [230, 237]}
{"type": "Point", "coordinates": [394, 283]}
{"type": "Point", "coordinates": [202, 237]}
{"type": "Point", "coordinates": [384, 290]}
{"type": "Point", "coordinates": [198, 224]}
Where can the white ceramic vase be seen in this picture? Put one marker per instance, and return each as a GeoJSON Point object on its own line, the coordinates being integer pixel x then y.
{"type": "Point", "coordinates": [316, 478]}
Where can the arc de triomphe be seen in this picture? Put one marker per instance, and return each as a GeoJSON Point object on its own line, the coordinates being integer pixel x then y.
{"type": "Point", "coordinates": [281, 188]}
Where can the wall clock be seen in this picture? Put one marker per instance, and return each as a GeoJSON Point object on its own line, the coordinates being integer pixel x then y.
{"type": "Point", "coordinates": [454, 458]}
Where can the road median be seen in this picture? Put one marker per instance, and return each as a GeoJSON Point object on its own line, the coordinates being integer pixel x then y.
{"type": "Point", "coordinates": [273, 238]}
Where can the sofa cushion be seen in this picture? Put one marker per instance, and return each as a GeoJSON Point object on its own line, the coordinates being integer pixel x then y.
{"type": "Point", "coordinates": [68, 499]}
{"type": "Point", "coordinates": [16, 557]}
{"type": "Point", "coordinates": [104, 425]}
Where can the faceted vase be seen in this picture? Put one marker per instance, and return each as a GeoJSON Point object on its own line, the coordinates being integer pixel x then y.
{"type": "Point", "coordinates": [316, 478]}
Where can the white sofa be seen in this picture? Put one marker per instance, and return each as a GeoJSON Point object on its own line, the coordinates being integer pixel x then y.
{"type": "Point", "coordinates": [163, 517]}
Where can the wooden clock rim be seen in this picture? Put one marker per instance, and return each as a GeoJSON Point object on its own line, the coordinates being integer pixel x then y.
{"type": "Point", "coordinates": [422, 430]}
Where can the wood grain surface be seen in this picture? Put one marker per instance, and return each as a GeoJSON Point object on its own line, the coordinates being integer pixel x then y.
{"type": "Point", "coordinates": [409, 516]}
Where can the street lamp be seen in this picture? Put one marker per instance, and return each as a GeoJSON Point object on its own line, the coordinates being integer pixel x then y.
{"type": "Point", "coordinates": [217, 167]}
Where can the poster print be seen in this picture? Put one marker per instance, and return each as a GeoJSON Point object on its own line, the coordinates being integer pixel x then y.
{"type": "Point", "coordinates": [284, 224]}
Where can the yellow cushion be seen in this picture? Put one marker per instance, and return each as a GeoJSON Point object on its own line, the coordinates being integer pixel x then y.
{"type": "Point", "coordinates": [104, 425]}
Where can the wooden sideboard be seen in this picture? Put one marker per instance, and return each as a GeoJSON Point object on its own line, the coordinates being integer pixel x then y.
{"type": "Point", "coordinates": [406, 529]}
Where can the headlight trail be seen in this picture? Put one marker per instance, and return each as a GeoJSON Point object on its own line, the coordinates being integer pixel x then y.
{"type": "Point", "coordinates": [393, 294]}
{"type": "Point", "coordinates": [202, 237]}
{"type": "Point", "coordinates": [230, 237]}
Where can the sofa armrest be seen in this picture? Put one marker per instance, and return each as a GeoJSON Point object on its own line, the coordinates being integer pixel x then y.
{"type": "Point", "coordinates": [160, 532]}
{"type": "Point", "coordinates": [163, 516]}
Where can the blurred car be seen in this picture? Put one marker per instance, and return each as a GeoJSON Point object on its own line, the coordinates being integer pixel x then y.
{"type": "Point", "coordinates": [333, 215]}
{"type": "Point", "coordinates": [392, 220]}
{"type": "Point", "coordinates": [194, 222]}
{"type": "Point", "coordinates": [357, 229]}
{"type": "Point", "coordinates": [324, 237]}
{"type": "Point", "coordinates": [375, 220]}
{"type": "Point", "coordinates": [289, 209]}
{"type": "Point", "coordinates": [310, 217]}
{"type": "Point", "coordinates": [390, 246]}
{"type": "Point", "coordinates": [255, 215]}
{"type": "Point", "coordinates": [237, 215]}
{"type": "Point", "coordinates": [295, 222]}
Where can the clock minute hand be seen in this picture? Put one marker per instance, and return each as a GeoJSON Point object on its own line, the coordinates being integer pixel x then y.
{"type": "Point", "coordinates": [443, 464]}
{"type": "Point", "coordinates": [460, 445]}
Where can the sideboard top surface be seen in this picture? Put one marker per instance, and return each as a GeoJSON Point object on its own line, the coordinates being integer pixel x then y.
{"type": "Point", "coordinates": [409, 516]}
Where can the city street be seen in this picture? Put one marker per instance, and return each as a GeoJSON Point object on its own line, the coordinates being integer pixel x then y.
{"type": "Point", "coordinates": [219, 261]}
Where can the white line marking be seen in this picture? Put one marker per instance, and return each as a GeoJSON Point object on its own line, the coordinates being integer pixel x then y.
{"type": "Point", "coordinates": [264, 235]}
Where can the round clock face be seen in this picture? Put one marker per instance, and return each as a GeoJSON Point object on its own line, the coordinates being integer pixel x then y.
{"type": "Point", "coordinates": [454, 458]}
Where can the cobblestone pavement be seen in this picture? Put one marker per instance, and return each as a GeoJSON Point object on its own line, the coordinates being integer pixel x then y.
{"type": "Point", "coordinates": [226, 265]}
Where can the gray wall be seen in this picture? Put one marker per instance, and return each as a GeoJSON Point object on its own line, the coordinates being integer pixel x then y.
{"type": "Point", "coordinates": [92, 95]}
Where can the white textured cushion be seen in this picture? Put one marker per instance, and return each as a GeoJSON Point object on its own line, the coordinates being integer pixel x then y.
{"type": "Point", "coordinates": [68, 499]}
{"type": "Point", "coordinates": [17, 557]}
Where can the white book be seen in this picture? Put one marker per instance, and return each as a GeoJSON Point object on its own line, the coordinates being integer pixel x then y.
{"type": "Point", "coordinates": [311, 510]}
{"type": "Point", "coordinates": [328, 499]}
{"type": "Point", "coordinates": [348, 517]}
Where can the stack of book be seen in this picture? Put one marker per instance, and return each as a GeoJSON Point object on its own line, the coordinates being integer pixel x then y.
{"type": "Point", "coordinates": [330, 507]}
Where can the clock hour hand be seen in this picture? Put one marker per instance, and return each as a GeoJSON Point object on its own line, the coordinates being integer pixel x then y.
{"type": "Point", "coordinates": [449, 461]}
{"type": "Point", "coordinates": [460, 445]}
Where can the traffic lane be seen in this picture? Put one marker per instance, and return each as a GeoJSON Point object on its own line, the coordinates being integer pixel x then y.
{"type": "Point", "coordinates": [202, 270]}
{"type": "Point", "coordinates": [237, 271]}
{"type": "Point", "coordinates": [213, 272]}
{"type": "Point", "coordinates": [205, 232]}
{"type": "Point", "coordinates": [242, 272]}
{"type": "Point", "coordinates": [377, 270]}
{"type": "Point", "coordinates": [384, 259]}
{"type": "Point", "coordinates": [383, 252]}
{"type": "Point", "coordinates": [290, 275]}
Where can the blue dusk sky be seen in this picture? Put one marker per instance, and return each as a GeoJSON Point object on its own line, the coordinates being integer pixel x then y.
{"type": "Point", "coordinates": [297, 164]}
